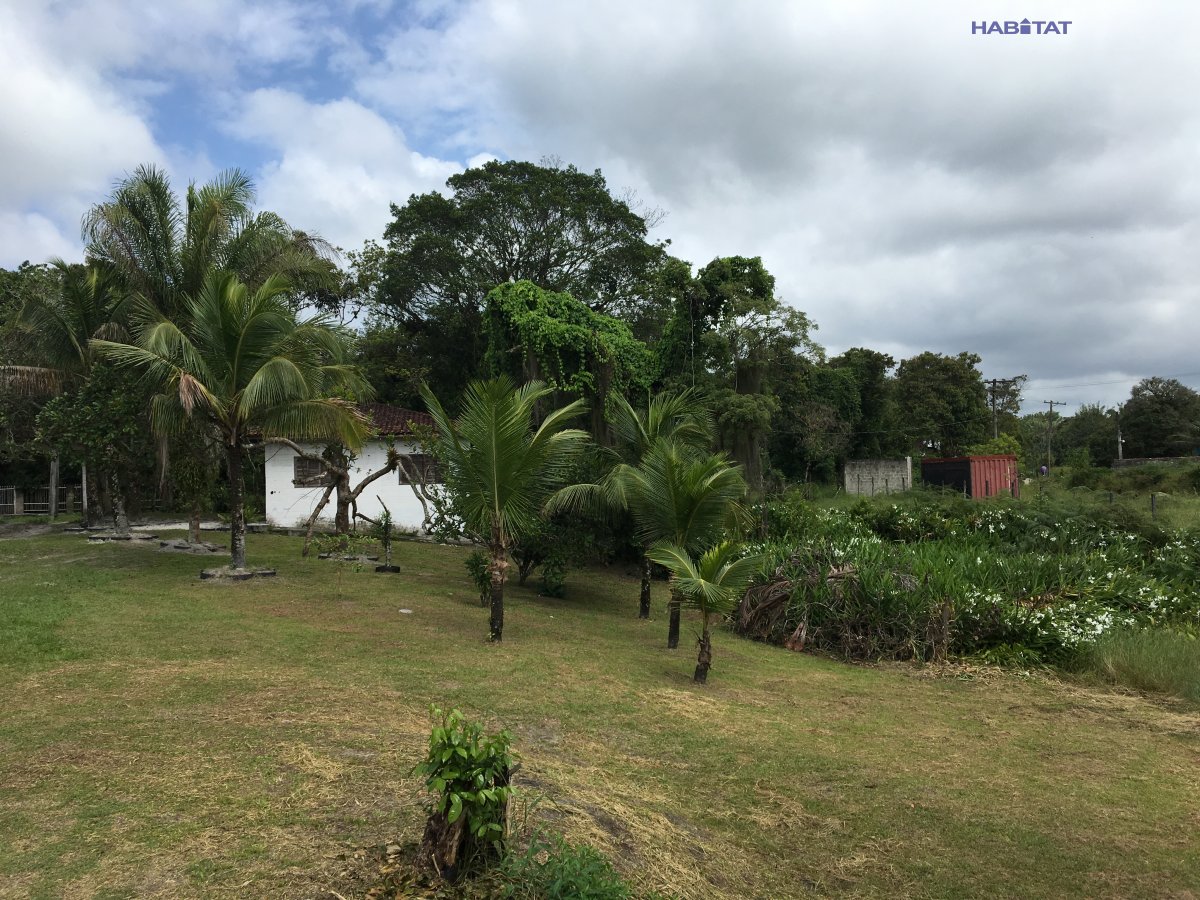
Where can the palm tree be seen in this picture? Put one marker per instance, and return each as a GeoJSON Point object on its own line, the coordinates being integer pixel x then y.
{"type": "Point", "coordinates": [165, 251]}
{"type": "Point", "coordinates": [243, 363]}
{"type": "Point", "coordinates": [714, 584]}
{"type": "Point", "coordinates": [500, 468]}
{"type": "Point", "coordinates": [57, 328]}
{"type": "Point", "coordinates": [680, 419]}
{"type": "Point", "coordinates": [679, 498]}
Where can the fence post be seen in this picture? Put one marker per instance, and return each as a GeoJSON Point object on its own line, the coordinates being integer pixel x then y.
{"type": "Point", "coordinates": [54, 486]}
{"type": "Point", "coordinates": [19, 502]}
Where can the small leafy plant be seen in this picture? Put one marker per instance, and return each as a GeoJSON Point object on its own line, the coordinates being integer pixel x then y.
{"type": "Point", "coordinates": [383, 530]}
{"type": "Point", "coordinates": [468, 772]}
{"type": "Point", "coordinates": [481, 575]}
{"type": "Point", "coordinates": [553, 869]}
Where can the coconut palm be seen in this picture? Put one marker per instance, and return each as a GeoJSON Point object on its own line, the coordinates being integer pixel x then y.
{"type": "Point", "coordinates": [56, 327]}
{"type": "Point", "coordinates": [713, 584]}
{"type": "Point", "coordinates": [679, 498]}
{"type": "Point", "coordinates": [244, 364]}
{"type": "Point", "coordinates": [681, 419]}
{"type": "Point", "coordinates": [500, 468]}
{"type": "Point", "coordinates": [165, 251]}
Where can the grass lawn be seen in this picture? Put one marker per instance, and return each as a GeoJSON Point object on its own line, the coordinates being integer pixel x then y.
{"type": "Point", "coordinates": [164, 737]}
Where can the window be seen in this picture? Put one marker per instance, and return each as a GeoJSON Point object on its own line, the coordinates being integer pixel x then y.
{"type": "Point", "coordinates": [416, 467]}
{"type": "Point", "coordinates": [309, 473]}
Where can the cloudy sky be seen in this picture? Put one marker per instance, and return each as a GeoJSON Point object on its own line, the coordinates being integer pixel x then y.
{"type": "Point", "coordinates": [912, 185]}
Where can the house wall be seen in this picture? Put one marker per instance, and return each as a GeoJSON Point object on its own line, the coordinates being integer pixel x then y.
{"type": "Point", "coordinates": [290, 506]}
{"type": "Point", "coordinates": [877, 476]}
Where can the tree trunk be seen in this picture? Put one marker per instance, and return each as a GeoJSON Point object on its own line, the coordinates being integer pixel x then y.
{"type": "Point", "coordinates": [644, 603]}
{"type": "Point", "coordinates": [499, 567]}
{"type": "Point", "coordinates": [120, 519]}
{"type": "Point", "coordinates": [341, 520]}
{"type": "Point", "coordinates": [83, 483]}
{"type": "Point", "coordinates": [312, 519]}
{"type": "Point", "coordinates": [704, 659]}
{"type": "Point", "coordinates": [194, 522]}
{"type": "Point", "coordinates": [237, 508]}
{"type": "Point", "coordinates": [53, 486]}
{"type": "Point", "coordinates": [673, 629]}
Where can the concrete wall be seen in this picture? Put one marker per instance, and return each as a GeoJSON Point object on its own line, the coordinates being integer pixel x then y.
{"type": "Point", "coordinates": [289, 506]}
{"type": "Point", "coordinates": [877, 476]}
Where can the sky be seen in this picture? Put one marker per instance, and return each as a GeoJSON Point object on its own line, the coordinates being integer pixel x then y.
{"type": "Point", "coordinates": [911, 183]}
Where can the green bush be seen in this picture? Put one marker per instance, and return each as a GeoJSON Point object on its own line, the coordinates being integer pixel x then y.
{"type": "Point", "coordinates": [1158, 660]}
{"type": "Point", "coordinates": [478, 564]}
{"type": "Point", "coordinates": [552, 869]}
{"type": "Point", "coordinates": [468, 774]}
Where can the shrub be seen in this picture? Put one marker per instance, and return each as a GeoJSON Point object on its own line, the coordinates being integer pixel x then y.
{"type": "Point", "coordinates": [552, 869]}
{"type": "Point", "coordinates": [478, 569]}
{"type": "Point", "coordinates": [1158, 660]}
{"type": "Point", "coordinates": [468, 773]}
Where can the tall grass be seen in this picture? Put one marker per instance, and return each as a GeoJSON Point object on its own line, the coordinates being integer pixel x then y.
{"type": "Point", "coordinates": [1158, 660]}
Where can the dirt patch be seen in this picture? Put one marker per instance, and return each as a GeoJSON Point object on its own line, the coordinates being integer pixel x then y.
{"type": "Point", "coordinates": [12, 531]}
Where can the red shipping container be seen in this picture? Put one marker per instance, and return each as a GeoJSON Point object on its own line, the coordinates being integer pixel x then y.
{"type": "Point", "coordinates": [975, 476]}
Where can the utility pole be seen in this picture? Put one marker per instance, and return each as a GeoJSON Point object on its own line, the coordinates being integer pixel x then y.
{"type": "Point", "coordinates": [994, 386]}
{"type": "Point", "coordinates": [1120, 440]}
{"type": "Point", "coordinates": [1050, 428]}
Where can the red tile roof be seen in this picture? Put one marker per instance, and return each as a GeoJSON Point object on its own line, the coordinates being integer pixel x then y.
{"type": "Point", "coordinates": [394, 420]}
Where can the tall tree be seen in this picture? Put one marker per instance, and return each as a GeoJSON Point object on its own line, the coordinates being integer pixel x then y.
{"type": "Point", "coordinates": [1161, 418]}
{"type": "Point", "coordinates": [872, 432]}
{"type": "Point", "coordinates": [942, 402]}
{"type": "Point", "coordinates": [249, 368]}
{"type": "Point", "coordinates": [549, 224]}
{"type": "Point", "coordinates": [730, 335]}
{"type": "Point", "coordinates": [501, 467]}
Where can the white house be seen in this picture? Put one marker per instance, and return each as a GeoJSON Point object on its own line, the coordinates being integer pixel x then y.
{"type": "Point", "coordinates": [295, 484]}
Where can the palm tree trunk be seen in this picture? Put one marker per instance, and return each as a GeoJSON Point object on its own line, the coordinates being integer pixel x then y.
{"type": "Point", "coordinates": [499, 565]}
{"type": "Point", "coordinates": [704, 659]}
{"type": "Point", "coordinates": [644, 603]}
{"type": "Point", "coordinates": [120, 519]}
{"type": "Point", "coordinates": [237, 508]}
{"type": "Point", "coordinates": [673, 629]}
{"type": "Point", "coordinates": [194, 522]}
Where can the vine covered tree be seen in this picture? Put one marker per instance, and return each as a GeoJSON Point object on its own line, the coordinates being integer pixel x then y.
{"type": "Point", "coordinates": [538, 335]}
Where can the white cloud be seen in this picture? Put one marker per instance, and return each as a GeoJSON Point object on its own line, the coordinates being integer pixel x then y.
{"type": "Point", "coordinates": [64, 136]}
{"type": "Point", "coordinates": [336, 166]}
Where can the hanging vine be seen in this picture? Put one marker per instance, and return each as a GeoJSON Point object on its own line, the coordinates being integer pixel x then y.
{"type": "Point", "coordinates": [534, 333]}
